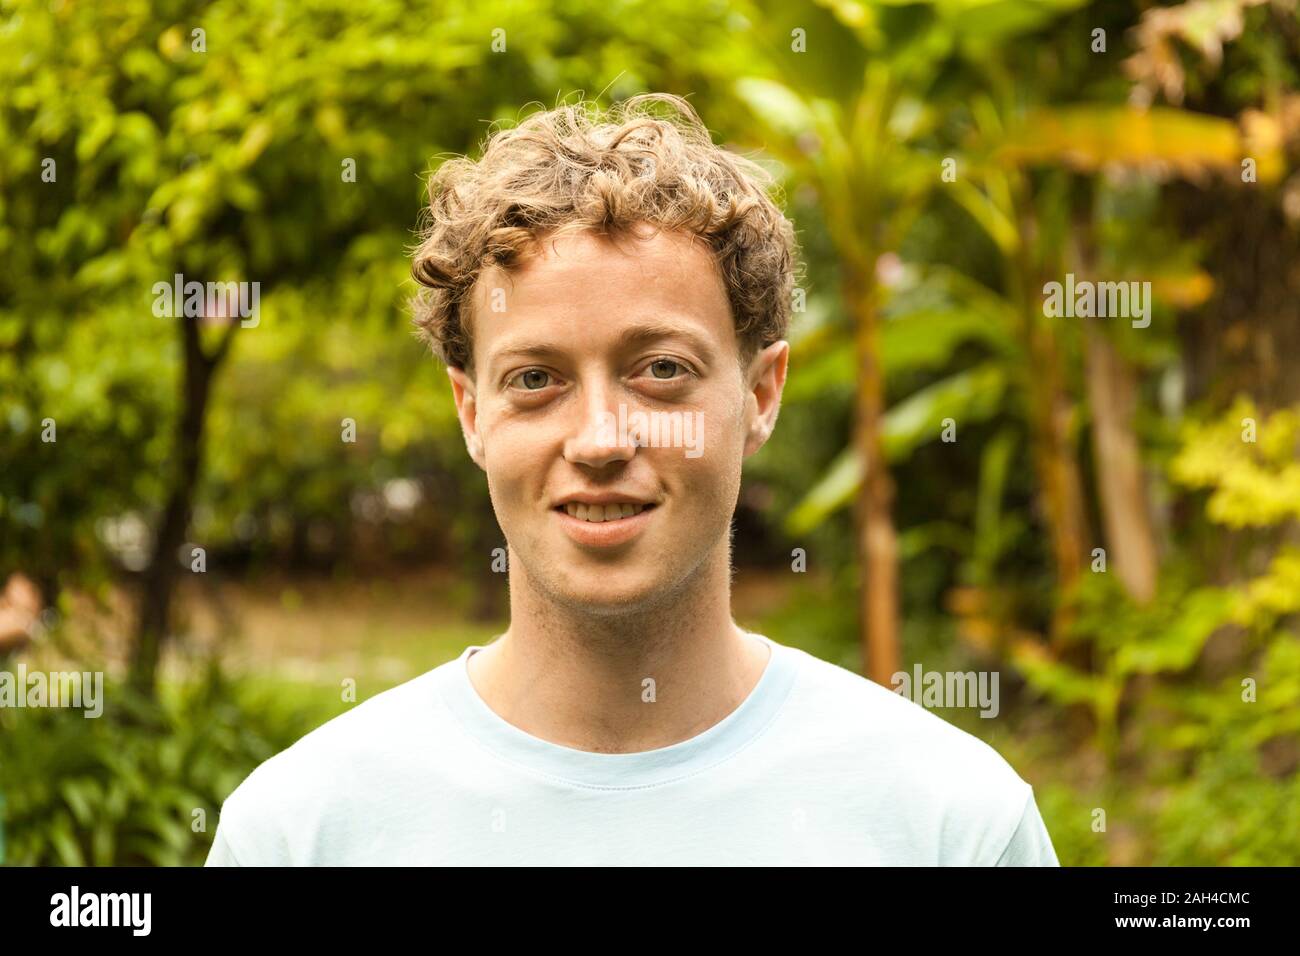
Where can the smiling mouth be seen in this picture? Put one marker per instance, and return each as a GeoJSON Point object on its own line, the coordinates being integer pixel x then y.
{"type": "Point", "coordinates": [598, 514]}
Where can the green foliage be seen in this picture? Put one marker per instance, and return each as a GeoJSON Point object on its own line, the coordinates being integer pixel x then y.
{"type": "Point", "coordinates": [1248, 461]}
{"type": "Point", "coordinates": [1225, 813]}
{"type": "Point", "coordinates": [1218, 749]}
{"type": "Point", "coordinates": [1169, 635]}
{"type": "Point", "coordinates": [226, 160]}
{"type": "Point", "coordinates": [122, 789]}
{"type": "Point", "coordinates": [974, 395]}
{"type": "Point", "coordinates": [1124, 640]}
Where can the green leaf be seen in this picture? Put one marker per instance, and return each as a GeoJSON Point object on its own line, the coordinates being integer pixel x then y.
{"type": "Point", "coordinates": [93, 138]}
{"type": "Point", "coordinates": [974, 395]}
{"type": "Point", "coordinates": [927, 338]}
{"type": "Point", "coordinates": [1177, 645]}
{"type": "Point", "coordinates": [776, 105]}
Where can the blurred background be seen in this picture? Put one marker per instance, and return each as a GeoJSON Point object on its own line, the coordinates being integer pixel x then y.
{"type": "Point", "coordinates": [1103, 513]}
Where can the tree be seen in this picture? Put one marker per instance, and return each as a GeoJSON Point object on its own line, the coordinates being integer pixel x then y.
{"type": "Point", "coordinates": [247, 142]}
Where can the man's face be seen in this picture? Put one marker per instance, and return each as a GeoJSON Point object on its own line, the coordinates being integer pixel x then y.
{"type": "Point", "coordinates": [583, 354]}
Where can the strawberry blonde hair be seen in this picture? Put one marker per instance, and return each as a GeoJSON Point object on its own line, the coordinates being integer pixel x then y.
{"type": "Point", "coordinates": [648, 160]}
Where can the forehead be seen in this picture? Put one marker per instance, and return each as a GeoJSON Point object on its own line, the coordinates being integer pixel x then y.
{"type": "Point", "coordinates": [582, 291]}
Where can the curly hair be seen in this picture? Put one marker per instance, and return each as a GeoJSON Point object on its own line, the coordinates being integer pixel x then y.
{"type": "Point", "coordinates": [649, 160]}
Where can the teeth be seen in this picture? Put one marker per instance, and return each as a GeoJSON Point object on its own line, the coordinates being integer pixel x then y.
{"type": "Point", "coordinates": [602, 512]}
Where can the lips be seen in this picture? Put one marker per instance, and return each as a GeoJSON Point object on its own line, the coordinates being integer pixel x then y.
{"type": "Point", "coordinates": [603, 524]}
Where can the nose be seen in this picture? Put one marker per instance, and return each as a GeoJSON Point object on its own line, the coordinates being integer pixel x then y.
{"type": "Point", "coordinates": [600, 435]}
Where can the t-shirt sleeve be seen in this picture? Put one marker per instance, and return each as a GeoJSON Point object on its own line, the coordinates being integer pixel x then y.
{"type": "Point", "coordinates": [248, 833]}
{"type": "Point", "coordinates": [221, 854]}
{"type": "Point", "coordinates": [1030, 845]}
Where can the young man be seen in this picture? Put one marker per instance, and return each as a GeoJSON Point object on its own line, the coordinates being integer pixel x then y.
{"type": "Point", "coordinates": [610, 295]}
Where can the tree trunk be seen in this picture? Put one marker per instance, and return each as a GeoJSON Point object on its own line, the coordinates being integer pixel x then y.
{"type": "Point", "coordinates": [1057, 464]}
{"type": "Point", "coordinates": [1112, 392]}
{"type": "Point", "coordinates": [877, 538]}
{"type": "Point", "coordinates": [158, 581]}
{"type": "Point", "coordinates": [1051, 416]}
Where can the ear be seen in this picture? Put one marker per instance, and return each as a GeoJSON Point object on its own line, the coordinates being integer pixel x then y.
{"type": "Point", "coordinates": [764, 382]}
{"type": "Point", "coordinates": [462, 390]}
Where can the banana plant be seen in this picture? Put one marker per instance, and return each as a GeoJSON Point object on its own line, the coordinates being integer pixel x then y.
{"type": "Point", "coordinates": [860, 145]}
{"type": "Point", "coordinates": [870, 189]}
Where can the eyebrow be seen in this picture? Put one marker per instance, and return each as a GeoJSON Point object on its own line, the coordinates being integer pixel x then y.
{"type": "Point", "coordinates": [644, 334]}
{"type": "Point", "coordinates": [636, 335]}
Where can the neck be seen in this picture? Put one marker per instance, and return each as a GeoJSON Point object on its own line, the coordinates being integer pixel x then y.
{"type": "Point", "coordinates": [624, 682]}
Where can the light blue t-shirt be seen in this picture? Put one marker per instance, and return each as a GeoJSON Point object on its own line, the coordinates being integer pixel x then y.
{"type": "Point", "coordinates": [816, 766]}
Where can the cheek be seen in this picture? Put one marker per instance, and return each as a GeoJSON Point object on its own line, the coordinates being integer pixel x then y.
{"type": "Point", "coordinates": [711, 481]}
{"type": "Point", "coordinates": [724, 429]}
{"type": "Point", "coordinates": [728, 460]}
{"type": "Point", "coordinates": [514, 461]}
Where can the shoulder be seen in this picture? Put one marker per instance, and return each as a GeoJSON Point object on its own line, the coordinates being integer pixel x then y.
{"type": "Point", "coordinates": [940, 778]}
{"type": "Point", "coordinates": [276, 812]}
{"type": "Point", "coordinates": [877, 716]}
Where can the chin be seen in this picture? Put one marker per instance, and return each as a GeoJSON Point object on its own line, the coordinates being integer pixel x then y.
{"type": "Point", "coordinates": [600, 599]}
{"type": "Point", "coordinates": [613, 594]}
